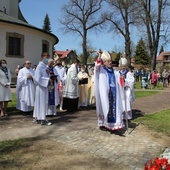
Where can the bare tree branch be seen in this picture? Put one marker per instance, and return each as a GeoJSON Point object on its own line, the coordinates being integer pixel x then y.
{"type": "Point", "coordinates": [153, 15]}
{"type": "Point", "coordinates": [80, 16]}
{"type": "Point", "coordinates": [120, 17]}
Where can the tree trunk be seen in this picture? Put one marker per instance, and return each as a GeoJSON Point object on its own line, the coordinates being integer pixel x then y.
{"type": "Point", "coordinates": [127, 48]}
{"type": "Point", "coordinates": [154, 55]}
{"type": "Point", "coordinates": [84, 46]}
{"type": "Point", "coordinates": [127, 39]}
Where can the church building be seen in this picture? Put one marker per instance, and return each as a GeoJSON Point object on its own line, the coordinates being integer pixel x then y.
{"type": "Point", "coordinates": [19, 40]}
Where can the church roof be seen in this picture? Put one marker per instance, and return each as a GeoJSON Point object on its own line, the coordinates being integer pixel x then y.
{"type": "Point", "coordinates": [12, 20]}
{"type": "Point", "coordinates": [63, 54]}
{"type": "Point", "coordinates": [162, 55]}
{"type": "Point", "coordinates": [6, 18]}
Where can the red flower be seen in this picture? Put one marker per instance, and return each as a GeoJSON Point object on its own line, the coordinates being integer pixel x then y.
{"type": "Point", "coordinates": [158, 161]}
{"type": "Point", "coordinates": [155, 167]}
{"type": "Point", "coordinates": [168, 167]}
{"type": "Point", "coordinates": [163, 162]}
{"type": "Point", "coordinates": [146, 167]}
{"type": "Point", "coordinates": [157, 164]}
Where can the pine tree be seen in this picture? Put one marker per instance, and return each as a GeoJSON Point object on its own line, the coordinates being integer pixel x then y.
{"type": "Point", "coordinates": [47, 25]}
{"type": "Point", "coordinates": [141, 55]}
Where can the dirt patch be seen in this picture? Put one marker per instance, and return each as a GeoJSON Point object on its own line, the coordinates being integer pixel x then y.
{"type": "Point", "coordinates": [163, 140]}
{"type": "Point", "coordinates": [49, 154]}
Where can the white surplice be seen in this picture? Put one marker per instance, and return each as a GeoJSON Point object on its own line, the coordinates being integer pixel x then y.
{"type": "Point", "coordinates": [129, 95]}
{"type": "Point", "coordinates": [25, 90]}
{"type": "Point", "coordinates": [101, 86]}
{"type": "Point", "coordinates": [5, 93]}
{"type": "Point", "coordinates": [70, 90]}
{"type": "Point", "coordinates": [71, 83]}
{"type": "Point", "coordinates": [41, 80]}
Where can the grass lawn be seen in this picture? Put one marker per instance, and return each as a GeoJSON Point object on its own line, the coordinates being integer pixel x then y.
{"type": "Point", "coordinates": [159, 122]}
{"type": "Point", "coordinates": [140, 94]}
{"type": "Point", "coordinates": [137, 85]}
{"type": "Point", "coordinates": [12, 106]}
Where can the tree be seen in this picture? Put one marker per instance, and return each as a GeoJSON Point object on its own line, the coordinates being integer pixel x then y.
{"type": "Point", "coordinates": [81, 16]}
{"type": "Point", "coordinates": [141, 55]}
{"type": "Point", "coordinates": [161, 50]}
{"type": "Point", "coordinates": [47, 25]}
{"type": "Point", "coordinates": [120, 16]}
{"type": "Point", "coordinates": [118, 56]}
{"type": "Point", "coordinates": [152, 14]}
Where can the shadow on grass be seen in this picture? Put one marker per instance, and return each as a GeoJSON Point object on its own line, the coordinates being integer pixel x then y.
{"type": "Point", "coordinates": [13, 150]}
{"type": "Point", "coordinates": [137, 113]}
{"type": "Point", "coordinates": [13, 111]}
{"type": "Point", "coordinates": [8, 146]}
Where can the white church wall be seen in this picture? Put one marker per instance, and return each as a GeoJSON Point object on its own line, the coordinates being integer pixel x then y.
{"type": "Point", "coordinates": [32, 45]}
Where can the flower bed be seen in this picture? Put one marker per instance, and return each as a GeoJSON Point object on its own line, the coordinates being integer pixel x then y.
{"type": "Point", "coordinates": [163, 162]}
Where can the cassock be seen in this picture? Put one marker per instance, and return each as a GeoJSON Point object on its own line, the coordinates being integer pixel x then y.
{"type": "Point", "coordinates": [70, 90]}
{"type": "Point", "coordinates": [25, 90]}
{"type": "Point", "coordinates": [109, 95]}
{"type": "Point", "coordinates": [128, 92]}
{"type": "Point", "coordinates": [41, 80]}
{"type": "Point", "coordinates": [83, 89]}
{"type": "Point", "coordinates": [53, 96]}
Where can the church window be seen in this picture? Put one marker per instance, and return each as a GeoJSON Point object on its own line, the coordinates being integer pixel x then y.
{"type": "Point", "coordinates": [45, 46]}
{"type": "Point", "coordinates": [14, 45]}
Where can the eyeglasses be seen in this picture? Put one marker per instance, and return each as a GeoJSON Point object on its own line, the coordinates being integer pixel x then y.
{"type": "Point", "coordinates": [28, 63]}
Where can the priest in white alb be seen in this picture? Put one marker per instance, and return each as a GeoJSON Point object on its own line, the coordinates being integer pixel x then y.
{"type": "Point", "coordinates": [25, 89]}
{"type": "Point", "coordinates": [128, 83]}
{"type": "Point", "coordinates": [42, 80]}
{"type": "Point", "coordinates": [108, 94]}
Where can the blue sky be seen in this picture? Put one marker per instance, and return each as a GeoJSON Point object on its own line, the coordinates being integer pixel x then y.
{"type": "Point", "coordinates": [34, 12]}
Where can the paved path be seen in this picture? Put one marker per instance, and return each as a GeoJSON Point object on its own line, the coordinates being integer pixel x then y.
{"type": "Point", "coordinates": [79, 131]}
{"type": "Point", "coordinates": [152, 104]}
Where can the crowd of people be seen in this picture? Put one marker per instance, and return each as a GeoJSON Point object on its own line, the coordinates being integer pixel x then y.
{"type": "Point", "coordinates": [150, 79]}
{"type": "Point", "coordinates": [50, 85]}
